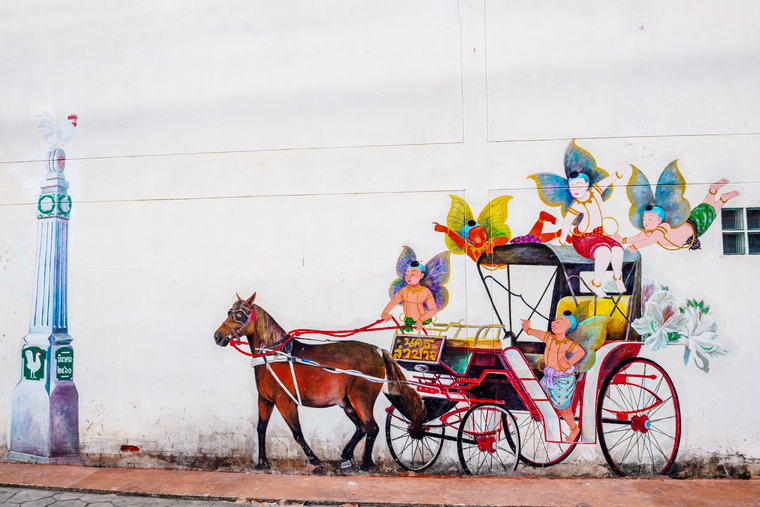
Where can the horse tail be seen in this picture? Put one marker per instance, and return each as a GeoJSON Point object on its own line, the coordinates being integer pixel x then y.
{"type": "Point", "coordinates": [402, 395]}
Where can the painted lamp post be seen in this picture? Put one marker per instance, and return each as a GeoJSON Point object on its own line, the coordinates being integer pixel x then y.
{"type": "Point", "coordinates": [45, 415]}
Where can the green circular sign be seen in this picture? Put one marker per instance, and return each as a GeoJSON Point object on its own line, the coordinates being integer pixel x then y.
{"type": "Point", "coordinates": [45, 207]}
{"type": "Point", "coordinates": [64, 204]}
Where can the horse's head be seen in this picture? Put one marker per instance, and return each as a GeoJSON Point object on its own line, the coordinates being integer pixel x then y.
{"type": "Point", "coordinates": [240, 322]}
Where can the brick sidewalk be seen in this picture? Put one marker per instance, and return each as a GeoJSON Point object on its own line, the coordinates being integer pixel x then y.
{"type": "Point", "coordinates": [374, 489]}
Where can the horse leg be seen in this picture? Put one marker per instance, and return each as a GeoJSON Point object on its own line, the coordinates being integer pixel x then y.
{"type": "Point", "coordinates": [265, 411]}
{"type": "Point", "coordinates": [348, 450]}
{"type": "Point", "coordinates": [362, 399]}
{"type": "Point", "coordinates": [289, 411]}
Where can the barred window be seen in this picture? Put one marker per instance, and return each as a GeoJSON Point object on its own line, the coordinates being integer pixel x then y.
{"type": "Point", "coordinates": [735, 240]}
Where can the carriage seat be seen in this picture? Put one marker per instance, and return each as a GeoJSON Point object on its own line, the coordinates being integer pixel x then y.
{"type": "Point", "coordinates": [458, 352]}
{"type": "Point", "coordinates": [469, 343]}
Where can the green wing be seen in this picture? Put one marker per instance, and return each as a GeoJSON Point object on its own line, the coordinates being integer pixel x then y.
{"type": "Point", "coordinates": [459, 214]}
{"type": "Point", "coordinates": [590, 335]}
{"type": "Point", "coordinates": [493, 218]}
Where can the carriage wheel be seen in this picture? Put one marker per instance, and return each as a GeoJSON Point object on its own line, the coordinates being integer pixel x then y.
{"type": "Point", "coordinates": [413, 448]}
{"type": "Point", "coordinates": [638, 419]}
{"type": "Point", "coordinates": [488, 441]}
{"type": "Point", "coordinates": [534, 449]}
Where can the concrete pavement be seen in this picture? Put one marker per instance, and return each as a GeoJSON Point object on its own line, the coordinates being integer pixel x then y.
{"type": "Point", "coordinates": [181, 486]}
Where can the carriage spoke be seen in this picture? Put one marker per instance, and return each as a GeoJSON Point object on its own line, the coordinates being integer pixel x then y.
{"type": "Point", "coordinates": [629, 407]}
{"type": "Point", "coordinates": [658, 430]}
{"type": "Point", "coordinates": [624, 427]}
{"type": "Point", "coordinates": [662, 419]}
{"type": "Point", "coordinates": [657, 409]}
{"type": "Point", "coordinates": [621, 438]}
{"type": "Point", "coordinates": [607, 395]}
{"type": "Point", "coordinates": [638, 437]}
{"type": "Point", "coordinates": [659, 448]}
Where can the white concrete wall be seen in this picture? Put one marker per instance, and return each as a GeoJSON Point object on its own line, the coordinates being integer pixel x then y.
{"type": "Point", "coordinates": [292, 148]}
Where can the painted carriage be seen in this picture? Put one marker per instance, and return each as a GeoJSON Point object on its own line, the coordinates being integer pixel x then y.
{"type": "Point", "coordinates": [481, 384]}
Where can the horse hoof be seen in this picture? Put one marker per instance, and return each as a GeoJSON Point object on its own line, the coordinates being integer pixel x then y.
{"type": "Point", "coordinates": [319, 470]}
{"type": "Point", "coordinates": [346, 464]}
{"type": "Point", "coordinates": [262, 466]}
{"type": "Point", "coordinates": [367, 467]}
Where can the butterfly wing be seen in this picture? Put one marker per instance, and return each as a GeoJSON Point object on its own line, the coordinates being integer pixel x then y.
{"type": "Point", "coordinates": [493, 218]}
{"type": "Point", "coordinates": [640, 194]}
{"type": "Point", "coordinates": [459, 214]}
{"type": "Point", "coordinates": [669, 195]}
{"type": "Point", "coordinates": [404, 260]}
{"type": "Point", "coordinates": [553, 190]}
{"type": "Point", "coordinates": [396, 286]}
{"type": "Point", "coordinates": [590, 335]}
{"type": "Point", "coordinates": [436, 276]}
{"type": "Point", "coordinates": [578, 159]}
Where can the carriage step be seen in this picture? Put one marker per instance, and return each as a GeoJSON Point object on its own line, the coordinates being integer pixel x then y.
{"type": "Point", "coordinates": [536, 392]}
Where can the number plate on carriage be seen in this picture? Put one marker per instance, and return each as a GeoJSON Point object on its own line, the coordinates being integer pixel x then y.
{"type": "Point", "coordinates": [421, 349]}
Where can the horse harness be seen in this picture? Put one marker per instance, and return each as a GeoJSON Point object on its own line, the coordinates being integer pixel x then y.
{"type": "Point", "coordinates": [281, 351]}
{"type": "Point", "coordinates": [259, 359]}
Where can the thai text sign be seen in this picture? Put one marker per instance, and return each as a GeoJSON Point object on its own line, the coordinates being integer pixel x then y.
{"type": "Point", "coordinates": [64, 363]}
{"type": "Point", "coordinates": [423, 349]}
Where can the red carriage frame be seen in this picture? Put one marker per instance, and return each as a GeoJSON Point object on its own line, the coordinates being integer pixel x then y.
{"type": "Point", "coordinates": [499, 411]}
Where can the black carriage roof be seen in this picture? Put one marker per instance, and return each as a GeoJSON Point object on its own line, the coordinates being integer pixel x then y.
{"type": "Point", "coordinates": [542, 254]}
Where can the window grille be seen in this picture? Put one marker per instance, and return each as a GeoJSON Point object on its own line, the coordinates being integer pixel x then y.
{"type": "Point", "coordinates": [735, 240]}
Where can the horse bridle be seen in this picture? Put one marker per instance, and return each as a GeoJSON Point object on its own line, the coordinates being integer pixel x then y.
{"type": "Point", "coordinates": [251, 316]}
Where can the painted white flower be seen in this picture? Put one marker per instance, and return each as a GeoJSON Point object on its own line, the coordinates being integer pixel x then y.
{"type": "Point", "coordinates": [704, 342]}
{"type": "Point", "coordinates": [649, 287]}
{"type": "Point", "coordinates": [661, 318]}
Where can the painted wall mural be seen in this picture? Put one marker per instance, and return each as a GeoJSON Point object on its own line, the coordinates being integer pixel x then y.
{"type": "Point", "coordinates": [514, 390]}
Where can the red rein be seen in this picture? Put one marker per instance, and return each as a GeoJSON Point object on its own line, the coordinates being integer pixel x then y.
{"type": "Point", "coordinates": [335, 334]}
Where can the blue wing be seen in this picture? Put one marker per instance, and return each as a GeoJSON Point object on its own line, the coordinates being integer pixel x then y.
{"type": "Point", "coordinates": [640, 194]}
{"type": "Point", "coordinates": [436, 276]}
{"type": "Point", "coordinates": [669, 195]}
{"type": "Point", "coordinates": [578, 159]}
{"type": "Point", "coordinates": [396, 286]}
{"type": "Point", "coordinates": [404, 260]}
{"type": "Point", "coordinates": [553, 190]}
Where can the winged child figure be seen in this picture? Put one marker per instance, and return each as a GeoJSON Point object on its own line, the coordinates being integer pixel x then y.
{"type": "Point", "coordinates": [664, 216]}
{"type": "Point", "coordinates": [464, 235]}
{"type": "Point", "coordinates": [419, 288]}
{"type": "Point", "coordinates": [580, 195]}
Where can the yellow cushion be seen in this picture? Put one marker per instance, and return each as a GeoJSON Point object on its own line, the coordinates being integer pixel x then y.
{"type": "Point", "coordinates": [618, 324]}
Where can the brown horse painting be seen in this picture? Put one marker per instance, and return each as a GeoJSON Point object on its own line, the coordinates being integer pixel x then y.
{"type": "Point", "coordinates": [317, 386]}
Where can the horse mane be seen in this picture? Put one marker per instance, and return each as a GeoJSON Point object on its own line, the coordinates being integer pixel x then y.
{"type": "Point", "coordinates": [266, 331]}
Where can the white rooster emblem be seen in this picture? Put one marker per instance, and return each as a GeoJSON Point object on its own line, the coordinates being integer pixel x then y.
{"type": "Point", "coordinates": [33, 363]}
{"type": "Point", "coordinates": [55, 135]}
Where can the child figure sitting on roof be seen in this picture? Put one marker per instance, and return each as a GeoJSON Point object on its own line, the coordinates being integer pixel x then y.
{"type": "Point", "coordinates": [560, 370]}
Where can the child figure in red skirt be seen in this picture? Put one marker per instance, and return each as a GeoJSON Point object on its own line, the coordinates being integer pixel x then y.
{"type": "Point", "coordinates": [588, 236]}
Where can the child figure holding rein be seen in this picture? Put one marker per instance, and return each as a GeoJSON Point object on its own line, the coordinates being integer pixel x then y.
{"type": "Point", "coordinates": [560, 357]}
{"type": "Point", "coordinates": [419, 303]}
